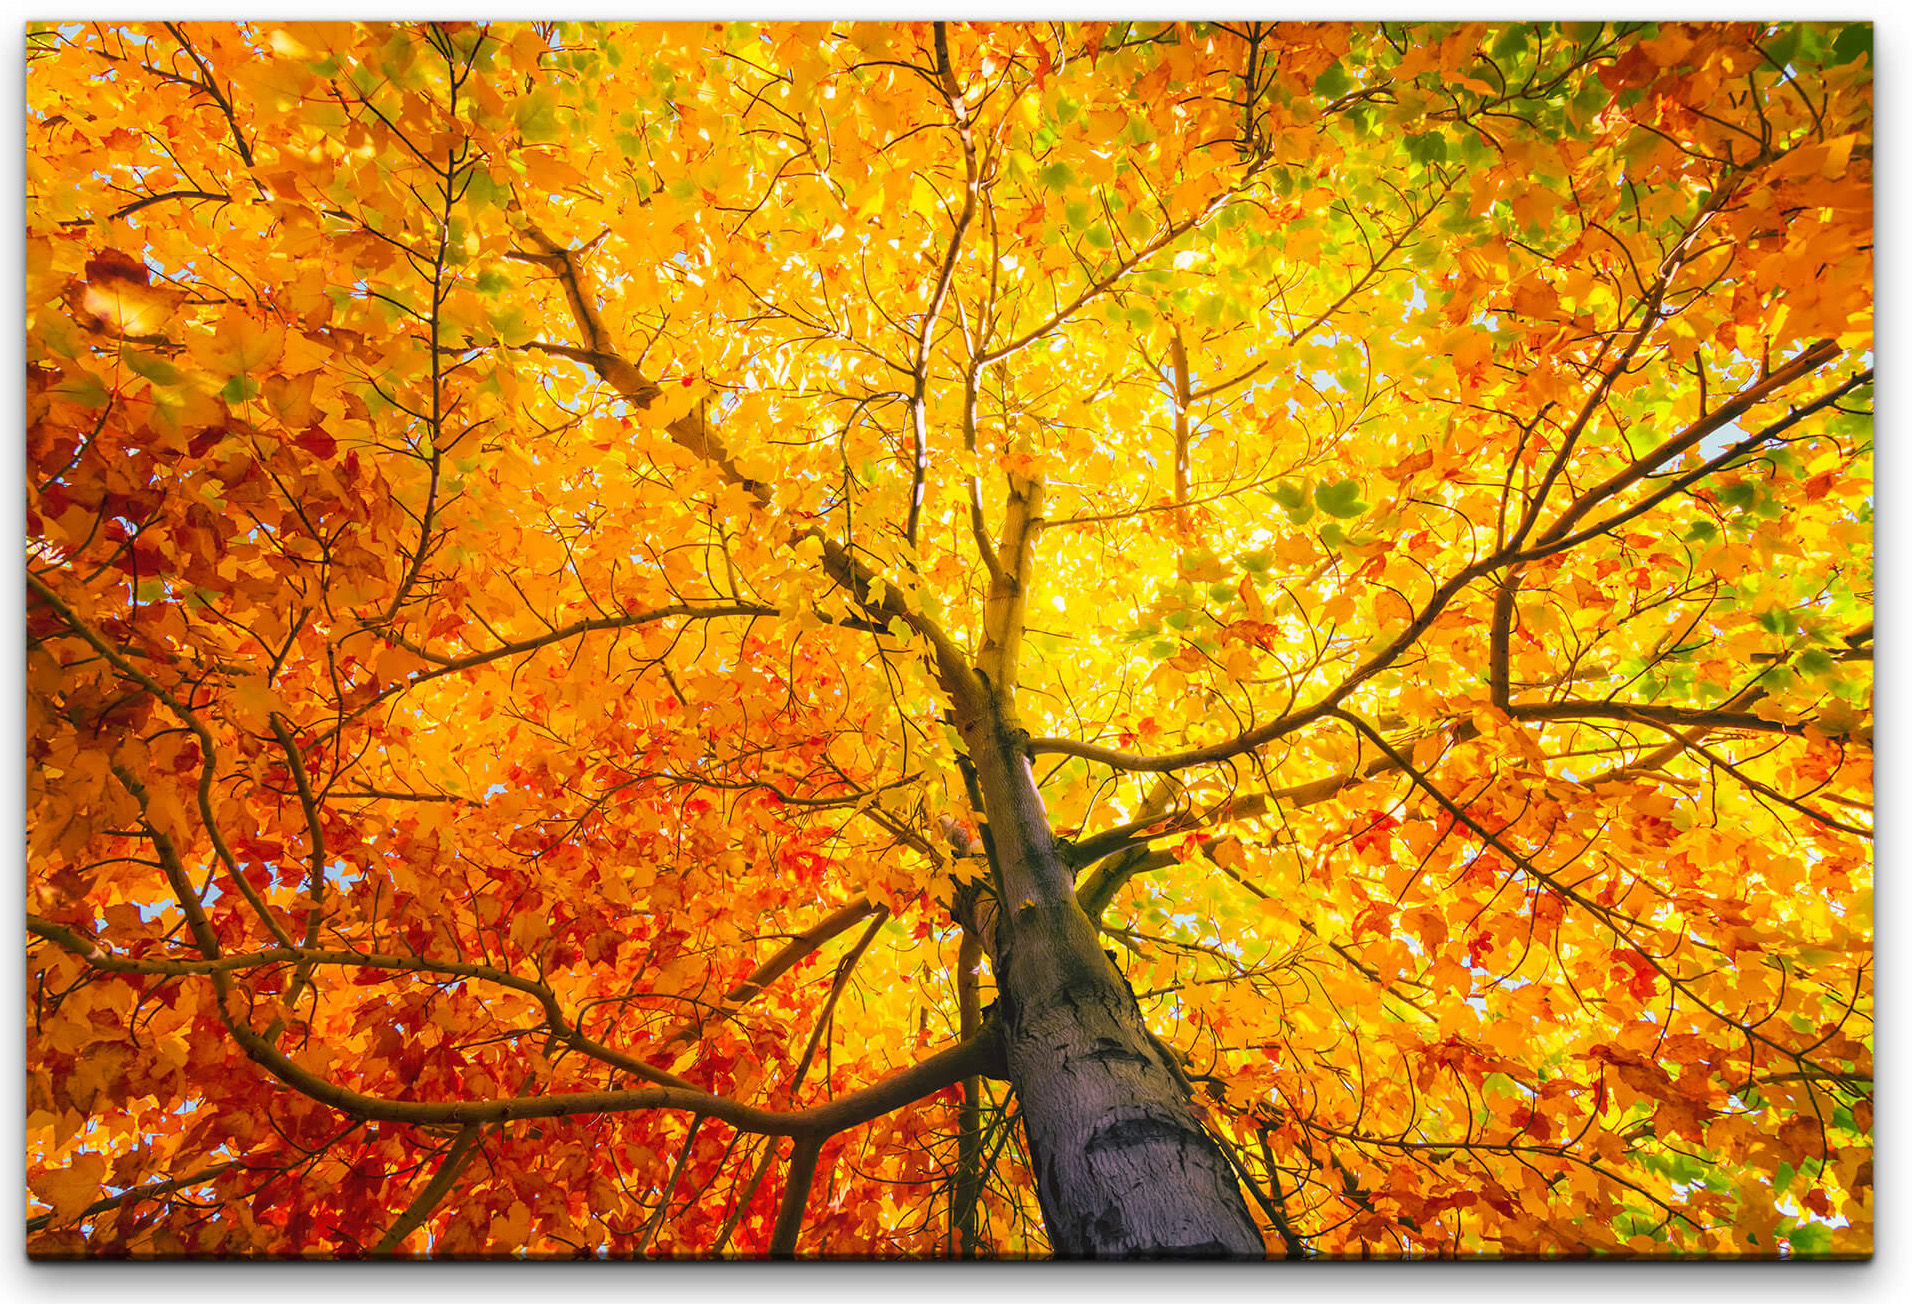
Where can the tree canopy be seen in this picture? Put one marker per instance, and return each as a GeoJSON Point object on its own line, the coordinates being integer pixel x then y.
{"type": "Point", "coordinates": [524, 520]}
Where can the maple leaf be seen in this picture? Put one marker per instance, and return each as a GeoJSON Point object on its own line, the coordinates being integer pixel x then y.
{"type": "Point", "coordinates": [119, 296]}
{"type": "Point", "coordinates": [237, 344]}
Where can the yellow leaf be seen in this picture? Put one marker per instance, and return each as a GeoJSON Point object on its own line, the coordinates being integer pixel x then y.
{"type": "Point", "coordinates": [1391, 609]}
{"type": "Point", "coordinates": [275, 84]}
{"type": "Point", "coordinates": [237, 345]}
{"type": "Point", "coordinates": [167, 814]}
{"type": "Point", "coordinates": [548, 171]}
{"type": "Point", "coordinates": [128, 309]}
{"type": "Point", "coordinates": [70, 1189]}
{"type": "Point", "coordinates": [291, 399]}
{"type": "Point", "coordinates": [251, 702]}
{"type": "Point", "coordinates": [396, 663]}
{"type": "Point", "coordinates": [1251, 599]}
{"type": "Point", "coordinates": [923, 197]}
{"type": "Point", "coordinates": [1838, 155]}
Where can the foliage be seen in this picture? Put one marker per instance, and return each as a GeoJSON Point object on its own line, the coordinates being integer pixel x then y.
{"type": "Point", "coordinates": [497, 496]}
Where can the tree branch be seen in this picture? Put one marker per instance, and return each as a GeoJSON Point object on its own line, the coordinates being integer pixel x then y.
{"type": "Point", "coordinates": [1005, 609]}
{"type": "Point", "coordinates": [923, 1078]}
{"type": "Point", "coordinates": [692, 431]}
{"type": "Point", "coordinates": [770, 970]}
{"type": "Point", "coordinates": [796, 1191]}
{"type": "Point", "coordinates": [463, 1147]}
{"type": "Point", "coordinates": [1178, 363]}
{"type": "Point", "coordinates": [1804, 364]}
{"type": "Point", "coordinates": [656, 1219]}
{"type": "Point", "coordinates": [1608, 917]}
{"type": "Point", "coordinates": [845, 968]}
{"type": "Point", "coordinates": [967, 1188]}
{"type": "Point", "coordinates": [939, 293]}
{"type": "Point", "coordinates": [1556, 539]}
{"type": "Point", "coordinates": [134, 1194]}
{"type": "Point", "coordinates": [218, 966]}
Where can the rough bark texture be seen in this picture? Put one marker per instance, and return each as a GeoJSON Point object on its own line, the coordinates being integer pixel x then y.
{"type": "Point", "coordinates": [1123, 1167]}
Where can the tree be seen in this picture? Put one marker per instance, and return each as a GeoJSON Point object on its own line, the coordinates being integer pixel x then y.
{"type": "Point", "coordinates": [1103, 639]}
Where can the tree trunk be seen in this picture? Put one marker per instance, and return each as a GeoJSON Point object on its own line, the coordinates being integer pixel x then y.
{"type": "Point", "coordinates": [965, 1195]}
{"type": "Point", "coordinates": [1123, 1167]}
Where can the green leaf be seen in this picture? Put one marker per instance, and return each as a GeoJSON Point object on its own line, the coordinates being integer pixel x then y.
{"type": "Point", "coordinates": [84, 390]}
{"type": "Point", "coordinates": [1056, 176]}
{"type": "Point", "coordinates": [1333, 81]}
{"type": "Point", "coordinates": [1341, 499]}
{"type": "Point", "coordinates": [1810, 1240]}
{"type": "Point", "coordinates": [1783, 48]}
{"type": "Point", "coordinates": [1814, 661]}
{"type": "Point", "coordinates": [1854, 41]}
{"type": "Point", "coordinates": [1512, 43]}
{"type": "Point", "coordinates": [239, 389]}
{"type": "Point", "coordinates": [482, 191]}
{"type": "Point", "coordinates": [1503, 1085]}
{"type": "Point", "coordinates": [511, 327]}
{"type": "Point", "coordinates": [1777, 620]}
{"type": "Point", "coordinates": [537, 118]}
{"type": "Point", "coordinates": [1292, 498]}
{"type": "Point", "coordinates": [1777, 680]}
{"type": "Point", "coordinates": [1590, 99]}
{"type": "Point", "coordinates": [1428, 147]}
{"type": "Point", "coordinates": [152, 367]}
{"type": "Point", "coordinates": [1685, 1168]}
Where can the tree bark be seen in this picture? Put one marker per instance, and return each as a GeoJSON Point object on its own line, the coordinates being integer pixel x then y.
{"type": "Point", "coordinates": [966, 1190]}
{"type": "Point", "coordinates": [1123, 1166]}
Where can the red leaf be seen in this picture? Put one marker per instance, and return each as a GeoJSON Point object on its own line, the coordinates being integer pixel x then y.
{"type": "Point", "coordinates": [316, 442]}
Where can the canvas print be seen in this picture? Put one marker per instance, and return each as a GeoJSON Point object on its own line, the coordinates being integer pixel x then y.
{"type": "Point", "coordinates": [949, 640]}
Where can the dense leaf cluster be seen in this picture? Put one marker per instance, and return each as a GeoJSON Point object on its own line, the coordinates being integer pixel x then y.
{"type": "Point", "coordinates": [512, 510]}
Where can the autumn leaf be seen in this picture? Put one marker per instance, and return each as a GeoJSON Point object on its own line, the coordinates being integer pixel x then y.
{"type": "Point", "coordinates": [120, 296]}
{"type": "Point", "coordinates": [290, 398]}
{"type": "Point", "coordinates": [1341, 499]}
{"type": "Point", "coordinates": [236, 344]}
{"type": "Point", "coordinates": [71, 1188]}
